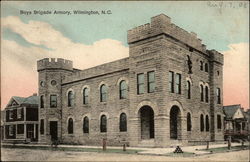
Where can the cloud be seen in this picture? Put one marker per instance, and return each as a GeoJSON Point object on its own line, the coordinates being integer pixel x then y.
{"type": "Point", "coordinates": [19, 76]}
{"type": "Point", "coordinates": [236, 75]}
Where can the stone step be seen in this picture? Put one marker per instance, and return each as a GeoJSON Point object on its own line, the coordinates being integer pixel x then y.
{"type": "Point", "coordinates": [147, 143]}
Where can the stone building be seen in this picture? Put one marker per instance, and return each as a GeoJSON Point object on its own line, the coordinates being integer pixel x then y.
{"type": "Point", "coordinates": [169, 89]}
{"type": "Point", "coordinates": [20, 120]}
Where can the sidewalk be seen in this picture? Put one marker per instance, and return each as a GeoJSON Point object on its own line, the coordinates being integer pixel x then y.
{"type": "Point", "coordinates": [196, 150]}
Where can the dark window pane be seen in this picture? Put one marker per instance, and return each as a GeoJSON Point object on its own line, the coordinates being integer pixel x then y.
{"type": "Point", "coordinates": [202, 92]}
{"type": "Point", "coordinates": [189, 123]}
{"type": "Point", "coordinates": [151, 81]}
{"type": "Point", "coordinates": [20, 129]}
{"type": "Point", "coordinates": [103, 126]}
{"type": "Point", "coordinates": [171, 81]}
{"type": "Point", "coordinates": [42, 126]}
{"type": "Point", "coordinates": [123, 122]}
{"type": "Point", "coordinates": [86, 125]}
{"type": "Point", "coordinates": [207, 123]}
{"type": "Point", "coordinates": [85, 96]}
{"type": "Point", "coordinates": [201, 123]}
{"type": "Point", "coordinates": [53, 101]}
{"type": "Point", "coordinates": [218, 122]}
{"type": "Point", "coordinates": [42, 102]}
{"type": "Point", "coordinates": [123, 89]}
{"type": "Point", "coordinates": [70, 98]}
{"type": "Point", "coordinates": [140, 83]}
{"type": "Point", "coordinates": [70, 126]}
{"type": "Point", "coordinates": [188, 90]}
{"type": "Point", "coordinates": [178, 83]}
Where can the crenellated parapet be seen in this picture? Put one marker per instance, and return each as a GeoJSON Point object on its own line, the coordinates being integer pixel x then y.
{"type": "Point", "coordinates": [216, 56]}
{"type": "Point", "coordinates": [162, 24]}
{"type": "Point", "coordinates": [54, 63]}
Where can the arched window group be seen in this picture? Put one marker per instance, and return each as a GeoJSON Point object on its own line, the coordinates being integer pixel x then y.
{"type": "Point", "coordinates": [70, 98]}
{"type": "Point", "coordinates": [202, 64]}
{"type": "Point", "coordinates": [70, 126]}
{"type": "Point", "coordinates": [206, 93]}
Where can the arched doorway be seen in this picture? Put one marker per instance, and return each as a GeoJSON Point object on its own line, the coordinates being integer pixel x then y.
{"type": "Point", "coordinates": [175, 122]}
{"type": "Point", "coordinates": [147, 122]}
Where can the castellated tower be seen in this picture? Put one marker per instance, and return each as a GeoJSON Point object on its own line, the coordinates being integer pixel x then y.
{"type": "Point", "coordinates": [50, 75]}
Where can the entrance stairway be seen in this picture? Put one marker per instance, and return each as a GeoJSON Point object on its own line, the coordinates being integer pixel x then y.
{"type": "Point", "coordinates": [147, 143]}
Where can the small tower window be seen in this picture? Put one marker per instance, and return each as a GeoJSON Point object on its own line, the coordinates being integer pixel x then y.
{"type": "Point", "coordinates": [201, 65]}
{"type": "Point", "coordinates": [140, 83]}
{"type": "Point", "coordinates": [151, 82]}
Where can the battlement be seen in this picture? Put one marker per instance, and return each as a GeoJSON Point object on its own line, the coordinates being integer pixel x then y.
{"type": "Point", "coordinates": [54, 63]}
{"type": "Point", "coordinates": [162, 24]}
{"type": "Point", "coordinates": [216, 56]}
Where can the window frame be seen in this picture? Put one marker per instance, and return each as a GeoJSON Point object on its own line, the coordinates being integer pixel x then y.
{"type": "Point", "coordinates": [103, 124]}
{"type": "Point", "coordinates": [85, 125]}
{"type": "Point", "coordinates": [178, 83]}
{"type": "Point", "coordinates": [151, 83]}
{"type": "Point", "coordinates": [53, 103]}
{"type": "Point", "coordinates": [42, 101]}
{"type": "Point", "coordinates": [140, 85]}
{"type": "Point", "coordinates": [171, 81]}
{"type": "Point", "coordinates": [188, 90]}
{"type": "Point", "coordinates": [123, 91]}
{"type": "Point", "coordinates": [85, 95]}
{"type": "Point", "coordinates": [70, 97]}
{"type": "Point", "coordinates": [103, 92]}
{"type": "Point", "coordinates": [70, 126]}
{"type": "Point", "coordinates": [218, 95]}
{"type": "Point", "coordinates": [123, 122]}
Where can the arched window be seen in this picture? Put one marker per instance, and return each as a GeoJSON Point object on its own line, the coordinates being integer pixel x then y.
{"type": "Point", "coordinates": [207, 123]}
{"type": "Point", "coordinates": [189, 123]}
{"type": "Point", "coordinates": [201, 65]}
{"type": "Point", "coordinates": [85, 96]}
{"type": "Point", "coordinates": [103, 93]}
{"type": "Point", "coordinates": [206, 94]}
{"type": "Point", "coordinates": [85, 124]}
{"type": "Point", "coordinates": [123, 122]}
{"type": "Point", "coordinates": [70, 126]}
{"type": "Point", "coordinates": [206, 67]}
{"type": "Point", "coordinates": [201, 123]}
{"type": "Point", "coordinates": [123, 89]}
{"type": "Point", "coordinates": [42, 102]}
{"type": "Point", "coordinates": [103, 125]}
{"type": "Point", "coordinates": [202, 92]}
{"type": "Point", "coordinates": [188, 89]}
{"type": "Point", "coordinates": [218, 96]}
{"type": "Point", "coordinates": [218, 122]}
{"type": "Point", "coordinates": [70, 98]}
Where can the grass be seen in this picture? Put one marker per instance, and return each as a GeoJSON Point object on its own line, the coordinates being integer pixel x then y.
{"type": "Point", "coordinates": [74, 149]}
{"type": "Point", "coordinates": [225, 149]}
{"type": "Point", "coordinates": [184, 154]}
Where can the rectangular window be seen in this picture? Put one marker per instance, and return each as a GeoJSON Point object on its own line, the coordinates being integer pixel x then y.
{"type": "Point", "coordinates": [218, 96]}
{"type": "Point", "coordinates": [151, 82]}
{"type": "Point", "coordinates": [218, 122]}
{"type": "Point", "coordinates": [140, 83]}
{"type": "Point", "coordinates": [11, 114]}
{"type": "Point", "coordinates": [53, 101]}
{"type": "Point", "coordinates": [178, 83]}
{"type": "Point", "coordinates": [11, 130]}
{"type": "Point", "coordinates": [42, 126]}
{"type": "Point", "coordinates": [19, 113]}
{"type": "Point", "coordinates": [20, 129]}
{"type": "Point", "coordinates": [171, 81]}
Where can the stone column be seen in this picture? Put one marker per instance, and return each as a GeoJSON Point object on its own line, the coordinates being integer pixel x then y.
{"type": "Point", "coordinates": [134, 131]}
{"type": "Point", "coordinates": [183, 130]}
{"type": "Point", "coordinates": [34, 132]}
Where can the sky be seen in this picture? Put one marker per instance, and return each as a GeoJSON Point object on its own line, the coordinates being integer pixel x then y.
{"type": "Point", "coordinates": [90, 40]}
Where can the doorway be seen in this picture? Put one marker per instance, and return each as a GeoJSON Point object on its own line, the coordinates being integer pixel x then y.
{"type": "Point", "coordinates": [53, 130]}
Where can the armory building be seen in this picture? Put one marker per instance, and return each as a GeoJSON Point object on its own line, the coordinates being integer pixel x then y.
{"type": "Point", "coordinates": [169, 89]}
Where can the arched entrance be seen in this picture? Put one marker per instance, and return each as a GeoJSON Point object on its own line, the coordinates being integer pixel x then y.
{"type": "Point", "coordinates": [175, 122]}
{"type": "Point", "coordinates": [147, 122]}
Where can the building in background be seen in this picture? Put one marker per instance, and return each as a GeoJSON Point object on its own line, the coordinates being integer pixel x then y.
{"type": "Point", "coordinates": [236, 122]}
{"type": "Point", "coordinates": [21, 119]}
{"type": "Point", "coordinates": [169, 89]}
